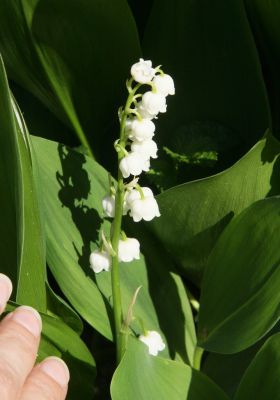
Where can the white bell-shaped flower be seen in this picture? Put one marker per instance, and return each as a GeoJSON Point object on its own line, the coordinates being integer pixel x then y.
{"type": "Point", "coordinates": [147, 148]}
{"type": "Point", "coordinates": [164, 84]}
{"type": "Point", "coordinates": [142, 71]}
{"type": "Point", "coordinates": [143, 112]}
{"type": "Point", "coordinates": [153, 103]}
{"type": "Point", "coordinates": [128, 250]}
{"type": "Point", "coordinates": [133, 164]}
{"type": "Point", "coordinates": [108, 204]}
{"type": "Point", "coordinates": [145, 208]}
{"type": "Point", "coordinates": [100, 260]}
{"type": "Point", "coordinates": [153, 340]}
{"type": "Point", "coordinates": [140, 130]}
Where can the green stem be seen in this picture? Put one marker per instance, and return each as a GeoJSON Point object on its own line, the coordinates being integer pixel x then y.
{"type": "Point", "coordinates": [116, 231]}
{"type": "Point", "coordinates": [116, 290]}
{"type": "Point", "coordinates": [197, 357]}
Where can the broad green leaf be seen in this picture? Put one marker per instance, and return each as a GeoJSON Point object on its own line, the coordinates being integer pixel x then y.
{"type": "Point", "coordinates": [261, 379]}
{"type": "Point", "coordinates": [178, 327]}
{"type": "Point", "coordinates": [240, 291]}
{"type": "Point", "coordinates": [71, 225]}
{"type": "Point", "coordinates": [24, 258]}
{"type": "Point", "coordinates": [141, 376]}
{"type": "Point", "coordinates": [194, 214]}
{"type": "Point", "coordinates": [226, 370]}
{"type": "Point", "coordinates": [60, 340]}
{"type": "Point", "coordinates": [208, 48]}
{"type": "Point", "coordinates": [9, 180]}
{"type": "Point", "coordinates": [74, 186]}
{"type": "Point", "coordinates": [31, 271]}
{"type": "Point", "coordinates": [264, 18]}
{"type": "Point", "coordinates": [64, 54]}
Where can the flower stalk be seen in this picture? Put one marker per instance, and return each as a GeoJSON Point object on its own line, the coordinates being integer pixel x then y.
{"type": "Point", "coordinates": [116, 232]}
{"type": "Point", "coordinates": [136, 132]}
{"type": "Point", "coordinates": [115, 277]}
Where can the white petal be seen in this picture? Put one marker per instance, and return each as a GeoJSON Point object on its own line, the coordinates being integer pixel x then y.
{"type": "Point", "coordinates": [164, 84]}
{"type": "Point", "coordinates": [141, 130]}
{"type": "Point", "coordinates": [128, 250]}
{"type": "Point", "coordinates": [153, 340]}
{"type": "Point", "coordinates": [133, 164]}
{"type": "Point", "coordinates": [108, 204]}
{"type": "Point", "coordinates": [142, 71]}
{"type": "Point", "coordinates": [154, 103]}
{"type": "Point", "coordinates": [99, 261]}
{"type": "Point", "coordinates": [147, 148]}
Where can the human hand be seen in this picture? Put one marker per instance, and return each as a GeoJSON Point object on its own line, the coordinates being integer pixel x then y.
{"type": "Point", "coordinates": [19, 341]}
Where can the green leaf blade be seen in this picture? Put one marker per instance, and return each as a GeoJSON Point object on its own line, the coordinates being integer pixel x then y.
{"type": "Point", "coordinates": [241, 281]}
{"type": "Point", "coordinates": [25, 262]}
{"type": "Point", "coordinates": [141, 376]}
{"type": "Point", "coordinates": [261, 379]}
{"type": "Point", "coordinates": [193, 215]}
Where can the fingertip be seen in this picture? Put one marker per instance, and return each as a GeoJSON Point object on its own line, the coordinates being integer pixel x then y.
{"type": "Point", "coordinates": [56, 368]}
{"type": "Point", "coordinates": [6, 288]}
{"type": "Point", "coordinates": [29, 318]}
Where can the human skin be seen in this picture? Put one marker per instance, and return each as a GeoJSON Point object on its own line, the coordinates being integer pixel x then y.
{"type": "Point", "coordinates": [20, 378]}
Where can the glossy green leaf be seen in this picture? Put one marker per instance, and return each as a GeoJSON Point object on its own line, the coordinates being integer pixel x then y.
{"type": "Point", "coordinates": [261, 379]}
{"type": "Point", "coordinates": [240, 291]}
{"type": "Point", "coordinates": [9, 179]}
{"type": "Point", "coordinates": [226, 370]}
{"type": "Point", "coordinates": [31, 273]}
{"type": "Point", "coordinates": [141, 376]}
{"type": "Point", "coordinates": [178, 327]}
{"type": "Point", "coordinates": [194, 214]}
{"type": "Point", "coordinates": [208, 48]}
{"type": "Point", "coordinates": [60, 340]}
{"type": "Point", "coordinates": [264, 18]}
{"type": "Point", "coordinates": [64, 54]}
{"type": "Point", "coordinates": [74, 186]}
{"type": "Point", "coordinates": [24, 258]}
{"type": "Point", "coordinates": [71, 225]}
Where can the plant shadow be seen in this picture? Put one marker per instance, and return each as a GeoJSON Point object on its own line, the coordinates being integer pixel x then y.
{"type": "Point", "coordinates": [75, 187]}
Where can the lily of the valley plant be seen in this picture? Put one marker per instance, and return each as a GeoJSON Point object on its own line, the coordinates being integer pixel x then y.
{"type": "Point", "coordinates": [135, 147]}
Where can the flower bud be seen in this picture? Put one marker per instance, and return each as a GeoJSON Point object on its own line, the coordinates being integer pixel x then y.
{"type": "Point", "coordinates": [153, 340]}
{"type": "Point", "coordinates": [140, 130]}
{"type": "Point", "coordinates": [154, 103]}
{"type": "Point", "coordinates": [142, 71]}
{"type": "Point", "coordinates": [142, 208]}
{"type": "Point", "coordinates": [99, 261]}
{"type": "Point", "coordinates": [147, 148]}
{"type": "Point", "coordinates": [108, 204]}
{"type": "Point", "coordinates": [133, 164]}
{"type": "Point", "coordinates": [164, 84]}
{"type": "Point", "coordinates": [128, 250]}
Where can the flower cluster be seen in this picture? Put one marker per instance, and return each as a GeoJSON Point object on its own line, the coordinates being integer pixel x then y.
{"type": "Point", "coordinates": [139, 127]}
{"type": "Point", "coordinates": [136, 147]}
{"type": "Point", "coordinates": [137, 132]}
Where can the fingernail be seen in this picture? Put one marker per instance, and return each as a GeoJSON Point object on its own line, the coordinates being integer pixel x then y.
{"type": "Point", "coordinates": [56, 369]}
{"type": "Point", "coordinates": [6, 288]}
{"type": "Point", "coordinates": [29, 318]}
